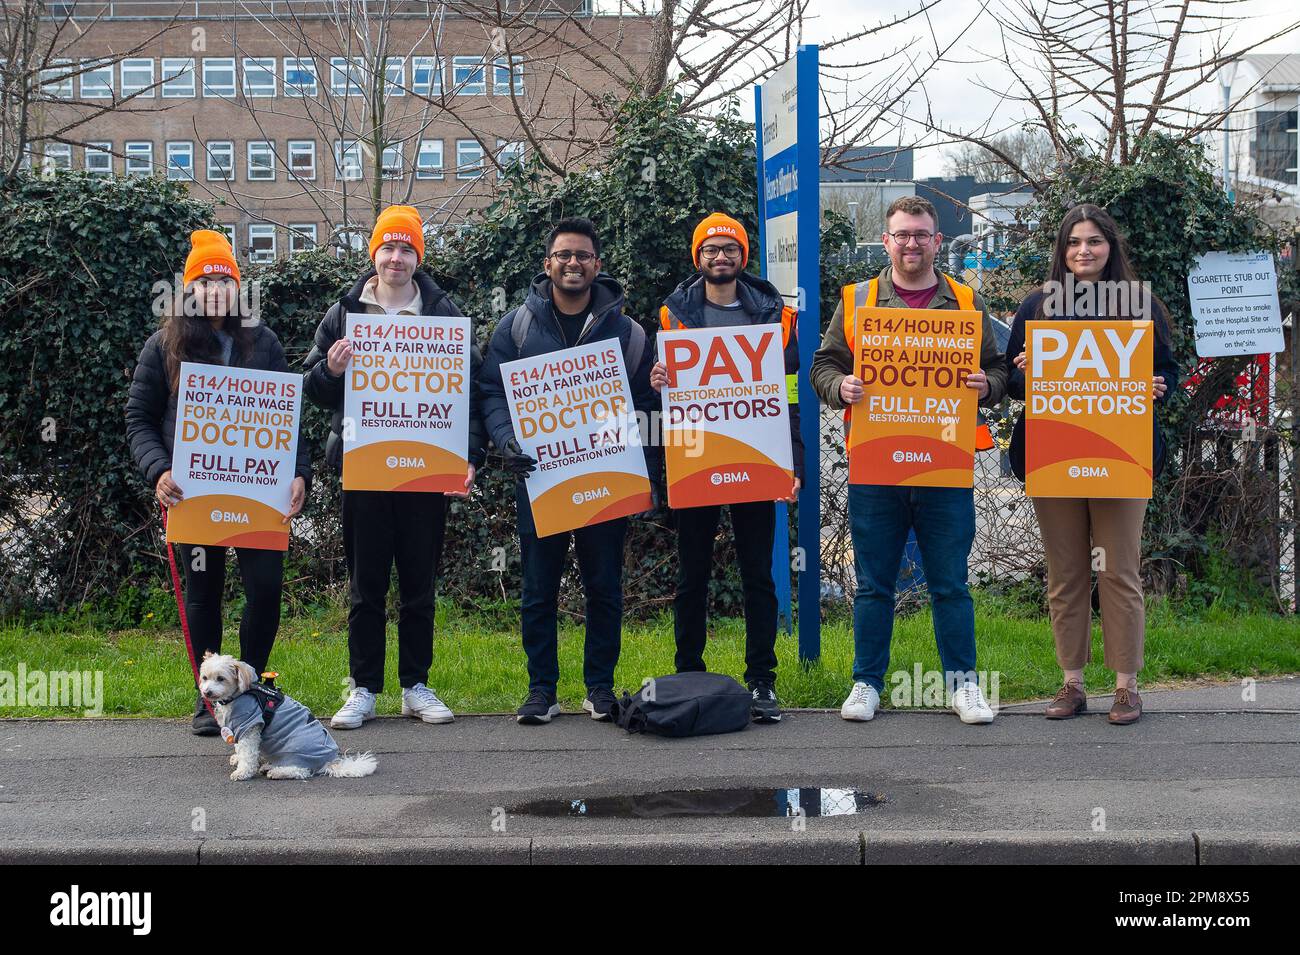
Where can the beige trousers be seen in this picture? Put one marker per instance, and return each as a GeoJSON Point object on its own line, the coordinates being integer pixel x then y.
{"type": "Point", "coordinates": [1078, 534]}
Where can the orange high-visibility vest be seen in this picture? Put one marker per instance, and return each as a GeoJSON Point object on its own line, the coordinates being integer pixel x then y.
{"type": "Point", "coordinates": [859, 295]}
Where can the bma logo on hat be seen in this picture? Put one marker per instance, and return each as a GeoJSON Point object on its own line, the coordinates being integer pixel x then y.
{"type": "Point", "coordinates": [397, 237]}
{"type": "Point", "coordinates": [715, 229]}
{"type": "Point", "coordinates": [207, 269]}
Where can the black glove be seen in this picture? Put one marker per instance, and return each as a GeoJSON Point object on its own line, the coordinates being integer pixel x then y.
{"type": "Point", "coordinates": [515, 461]}
{"type": "Point", "coordinates": [656, 504]}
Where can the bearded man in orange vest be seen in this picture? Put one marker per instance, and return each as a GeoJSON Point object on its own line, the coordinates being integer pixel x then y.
{"type": "Point", "coordinates": [880, 516]}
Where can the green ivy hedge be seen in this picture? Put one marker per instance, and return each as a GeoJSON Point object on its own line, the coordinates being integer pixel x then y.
{"type": "Point", "coordinates": [78, 256]}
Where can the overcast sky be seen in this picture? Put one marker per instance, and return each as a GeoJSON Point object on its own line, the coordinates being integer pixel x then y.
{"type": "Point", "coordinates": [953, 92]}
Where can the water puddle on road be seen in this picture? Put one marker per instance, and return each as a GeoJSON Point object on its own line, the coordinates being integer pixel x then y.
{"type": "Point", "coordinates": [752, 803]}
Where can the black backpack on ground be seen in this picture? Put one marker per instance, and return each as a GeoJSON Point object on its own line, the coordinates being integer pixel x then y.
{"type": "Point", "coordinates": [685, 704]}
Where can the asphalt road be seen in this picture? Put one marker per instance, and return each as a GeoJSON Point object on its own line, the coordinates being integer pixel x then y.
{"type": "Point", "coordinates": [1204, 777]}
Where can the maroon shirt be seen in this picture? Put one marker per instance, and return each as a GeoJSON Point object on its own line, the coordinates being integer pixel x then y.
{"type": "Point", "coordinates": [917, 299]}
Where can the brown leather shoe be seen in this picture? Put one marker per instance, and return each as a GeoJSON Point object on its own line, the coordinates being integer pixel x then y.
{"type": "Point", "coordinates": [1069, 702]}
{"type": "Point", "coordinates": [1127, 708]}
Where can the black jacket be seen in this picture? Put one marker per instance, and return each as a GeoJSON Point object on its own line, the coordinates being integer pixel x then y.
{"type": "Point", "coordinates": [327, 391]}
{"type": "Point", "coordinates": [1163, 364]}
{"type": "Point", "coordinates": [544, 336]}
{"type": "Point", "coordinates": [151, 404]}
{"type": "Point", "coordinates": [762, 304]}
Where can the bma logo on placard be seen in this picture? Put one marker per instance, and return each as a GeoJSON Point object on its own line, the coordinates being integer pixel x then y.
{"type": "Point", "coordinates": [912, 457]}
{"type": "Point", "coordinates": [586, 497]}
{"type": "Point", "coordinates": [228, 517]}
{"type": "Point", "coordinates": [719, 478]}
{"type": "Point", "coordinates": [395, 461]}
{"type": "Point", "coordinates": [1088, 470]}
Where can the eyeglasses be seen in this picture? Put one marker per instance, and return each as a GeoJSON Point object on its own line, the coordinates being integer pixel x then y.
{"type": "Point", "coordinates": [712, 251]}
{"type": "Point", "coordinates": [904, 238]}
{"type": "Point", "coordinates": [565, 256]}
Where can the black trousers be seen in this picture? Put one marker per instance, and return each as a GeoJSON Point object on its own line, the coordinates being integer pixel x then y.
{"type": "Point", "coordinates": [262, 573]}
{"type": "Point", "coordinates": [754, 526]}
{"type": "Point", "coordinates": [380, 529]}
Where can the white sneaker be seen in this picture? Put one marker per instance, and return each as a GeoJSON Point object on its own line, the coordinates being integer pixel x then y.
{"type": "Point", "coordinates": [359, 708]}
{"type": "Point", "coordinates": [969, 703]}
{"type": "Point", "coordinates": [421, 701]}
{"type": "Point", "coordinates": [861, 704]}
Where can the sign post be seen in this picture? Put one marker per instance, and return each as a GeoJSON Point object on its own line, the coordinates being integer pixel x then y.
{"type": "Point", "coordinates": [786, 112]}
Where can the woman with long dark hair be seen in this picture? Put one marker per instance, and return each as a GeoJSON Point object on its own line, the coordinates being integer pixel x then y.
{"type": "Point", "coordinates": [205, 325]}
{"type": "Point", "coordinates": [1090, 251]}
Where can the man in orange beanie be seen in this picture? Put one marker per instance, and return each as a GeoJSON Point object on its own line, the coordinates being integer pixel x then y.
{"type": "Point", "coordinates": [381, 528]}
{"type": "Point", "coordinates": [720, 294]}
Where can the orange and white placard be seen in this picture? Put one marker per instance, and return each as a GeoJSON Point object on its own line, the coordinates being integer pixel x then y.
{"type": "Point", "coordinates": [406, 404]}
{"type": "Point", "coordinates": [726, 417]}
{"type": "Point", "coordinates": [915, 424]}
{"type": "Point", "coordinates": [233, 456]}
{"type": "Point", "coordinates": [1088, 407]}
{"type": "Point", "coordinates": [572, 410]}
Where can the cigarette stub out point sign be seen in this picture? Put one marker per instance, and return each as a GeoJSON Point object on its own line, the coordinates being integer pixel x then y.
{"type": "Point", "coordinates": [1234, 303]}
{"type": "Point", "coordinates": [1088, 408]}
{"type": "Point", "coordinates": [726, 416]}
{"type": "Point", "coordinates": [233, 456]}
{"type": "Point", "coordinates": [407, 397]}
{"type": "Point", "coordinates": [572, 411]}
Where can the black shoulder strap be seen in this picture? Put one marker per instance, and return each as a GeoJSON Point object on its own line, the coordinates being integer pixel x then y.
{"type": "Point", "coordinates": [268, 700]}
{"type": "Point", "coordinates": [635, 347]}
{"type": "Point", "coordinates": [521, 325]}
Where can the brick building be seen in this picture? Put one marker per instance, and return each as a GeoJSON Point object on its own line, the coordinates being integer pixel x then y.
{"type": "Point", "coordinates": [299, 117]}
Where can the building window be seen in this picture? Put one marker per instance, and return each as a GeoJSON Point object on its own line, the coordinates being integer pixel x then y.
{"type": "Point", "coordinates": [99, 159]}
{"type": "Point", "coordinates": [58, 156]}
{"type": "Point", "coordinates": [467, 76]}
{"type": "Point", "coordinates": [469, 159]}
{"type": "Point", "coordinates": [299, 76]}
{"type": "Point", "coordinates": [302, 236]}
{"type": "Point", "coordinates": [508, 154]}
{"type": "Point", "coordinates": [137, 77]}
{"type": "Point", "coordinates": [229, 230]}
{"type": "Point", "coordinates": [302, 158]}
{"type": "Point", "coordinates": [428, 162]}
{"type": "Point", "coordinates": [57, 80]}
{"type": "Point", "coordinates": [139, 159]}
{"type": "Point", "coordinates": [392, 161]}
{"type": "Point", "coordinates": [502, 72]}
{"type": "Point", "coordinates": [218, 76]}
{"type": "Point", "coordinates": [346, 76]}
{"type": "Point", "coordinates": [261, 243]}
{"type": "Point", "coordinates": [347, 159]}
{"type": "Point", "coordinates": [259, 76]}
{"type": "Point", "coordinates": [395, 76]}
{"type": "Point", "coordinates": [1275, 145]}
{"type": "Point", "coordinates": [180, 161]}
{"type": "Point", "coordinates": [350, 239]}
{"type": "Point", "coordinates": [221, 160]}
{"type": "Point", "coordinates": [97, 80]}
{"type": "Point", "coordinates": [261, 161]}
{"type": "Point", "coordinates": [426, 75]}
{"type": "Point", "coordinates": [178, 77]}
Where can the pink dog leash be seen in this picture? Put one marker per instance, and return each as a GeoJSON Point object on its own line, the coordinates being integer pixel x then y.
{"type": "Point", "coordinates": [180, 606]}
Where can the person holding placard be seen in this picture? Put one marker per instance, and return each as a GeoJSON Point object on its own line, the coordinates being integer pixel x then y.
{"type": "Point", "coordinates": [386, 528]}
{"type": "Point", "coordinates": [1089, 271]}
{"type": "Point", "coordinates": [723, 294]}
{"type": "Point", "coordinates": [880, 515]}
{"type": "Point", "coordinates": [205, 326]}
{"type": "Point", "coordinates": [571, 303]}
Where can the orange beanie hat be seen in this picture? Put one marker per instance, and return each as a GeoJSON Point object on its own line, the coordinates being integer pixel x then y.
{"type": "Point", "coordinates": [210, 254]}
{"type": "Point", "coordinates": [719, 224]}
{"type": "Point", "coordinates": [398, 224]}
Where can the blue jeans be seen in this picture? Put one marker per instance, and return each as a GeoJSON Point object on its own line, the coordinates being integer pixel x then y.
{"type": "Point", "coordinates": [943, 519]}
{"type": "Point", "coordinates": [599, 549]}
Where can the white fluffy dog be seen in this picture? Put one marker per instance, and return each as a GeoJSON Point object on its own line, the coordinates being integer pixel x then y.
{"type": "Point", "coordinates": [271, 732]}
